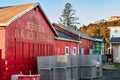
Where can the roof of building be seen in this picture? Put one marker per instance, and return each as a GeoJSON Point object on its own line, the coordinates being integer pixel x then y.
{"type": "Point", "coordinates": [115, 17]}
{"type": "Point", "coordinates": [99, 38]}
{"type": "Point", "coordinates": [115, 40]}
{"type": "Point", "coordinates": [63, 35]}
{"type": "Point", "coordinates": [78, 33]}
{"type": "Point", "coordinates": [10, 13]}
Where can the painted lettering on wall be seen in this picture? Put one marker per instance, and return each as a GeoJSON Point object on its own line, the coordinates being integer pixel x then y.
{"type": "Point", "coordinates": [33, 31]}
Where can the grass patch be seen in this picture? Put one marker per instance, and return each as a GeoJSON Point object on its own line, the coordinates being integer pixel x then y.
{"type": "Point", "coordinates": [117, 66]}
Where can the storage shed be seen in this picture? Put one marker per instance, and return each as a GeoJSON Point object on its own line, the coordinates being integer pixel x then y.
{"type": "Point", "coordinates": [99, 45]}
{"type": "Point", "coordinates": [84, 42]}
{"type": "Point", "coordinates": [65, 43]}
{"type": "Point", "coordinates": [25, 33]}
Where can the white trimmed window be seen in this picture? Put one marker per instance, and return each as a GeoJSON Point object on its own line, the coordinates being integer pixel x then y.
{"type": "Point", "coordinates": [67, 50]}
{"type": "Point", "coordinates": [81, 51]}
{"type": "Point", "coordinates": [74, 51]}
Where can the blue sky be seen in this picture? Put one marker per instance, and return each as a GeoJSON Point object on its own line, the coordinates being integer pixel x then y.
{"type": "Point", "coordinates": [88, 11]}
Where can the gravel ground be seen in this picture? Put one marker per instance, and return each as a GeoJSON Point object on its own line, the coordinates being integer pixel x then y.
{"type": "Point", "coordinates": [111, 74]}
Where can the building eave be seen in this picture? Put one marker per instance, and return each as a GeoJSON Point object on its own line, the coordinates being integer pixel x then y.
{"type": "Point", "coordinates": [64, 39]}
{"type": "Point", "coordinates": [115, 42]}
{"type": "Point", "coordinates": [99, 40]}
{"type": "Point", "coordinates": [24, 12]}
{"type": "Point", "coordinates": [48, 20]}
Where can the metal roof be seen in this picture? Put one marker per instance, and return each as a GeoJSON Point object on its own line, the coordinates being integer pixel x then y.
{"type": "Point", "coordinates": [115, 40]}
{"type": "Point", "coordinates": [10, 13]}
{"type": "Point", "coordinates": [78, 33]}
{"type": "Point", "coordinates": [65, 36]}
{"type": "Point", "coordinates": [99, 38]}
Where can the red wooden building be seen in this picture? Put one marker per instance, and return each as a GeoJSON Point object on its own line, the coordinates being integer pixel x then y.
{"type": "Point", "coordinates": [66, 43]}
{"type": "Point", "coordinates": [25, 33]}
{"type": "Point", "coordinates": [74, 41]}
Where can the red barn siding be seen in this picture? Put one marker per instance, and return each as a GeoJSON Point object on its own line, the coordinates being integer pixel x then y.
{"type": "Point", "coordinates": [28, 37]}
{"type": "Point", "coordinates": [0, 64]}
{"type": "Point", "coordinates": [86, 44]}
{"type": "Point", "coordinates": [61, 44]}
{"type": "Point", "coordinates": [25, 39]}
{"type": "Point", "coordinates": [2, 41]}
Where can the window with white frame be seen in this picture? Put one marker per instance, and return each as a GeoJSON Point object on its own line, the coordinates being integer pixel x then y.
{"type": "Point", "coordinates": [67, 50]}
{"type": "Point", "coordinates": [81, 51]}
{"type": "Point", "coordinates": [74, 51]}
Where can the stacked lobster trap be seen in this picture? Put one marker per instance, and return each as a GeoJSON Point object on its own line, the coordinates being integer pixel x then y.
{"type": "Point", "coordinates": [70, 67]}
{"type": "Point", "coordinates": [90, 66]}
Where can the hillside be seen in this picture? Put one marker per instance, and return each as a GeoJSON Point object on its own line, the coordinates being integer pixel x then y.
{"type": "Point", "coordinates": [100, 29]}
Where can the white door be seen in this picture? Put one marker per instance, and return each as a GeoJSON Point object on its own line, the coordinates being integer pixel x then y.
{"type": "Point", "coordinates": [115, 54]}
{"type": "Point", "coordinates": [91, 51]}
{"type": "Point", "coordinates": [118, 54]}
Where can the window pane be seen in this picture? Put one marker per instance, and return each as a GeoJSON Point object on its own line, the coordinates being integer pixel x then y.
{"type": "Point", "coordinates": [67, 50]}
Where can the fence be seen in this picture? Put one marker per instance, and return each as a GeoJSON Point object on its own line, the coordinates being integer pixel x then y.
{"type": "Point", "coordinates": [69, 67]}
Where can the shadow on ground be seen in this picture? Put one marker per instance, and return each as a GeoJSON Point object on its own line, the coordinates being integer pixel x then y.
{"type": "Point", "coordinates": [111, 71]}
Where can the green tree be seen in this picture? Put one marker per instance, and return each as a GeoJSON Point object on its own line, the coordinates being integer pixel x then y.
{"type": "Point", "coordinates": [67, 18]}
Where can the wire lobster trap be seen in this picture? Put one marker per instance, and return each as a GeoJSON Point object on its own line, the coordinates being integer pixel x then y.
{"type": "Point", "coordinates": [46, 74]}
{"type": "Point", "coordinates": [62, 61]}
{"type": "Point", "coordinates": [70, 67]}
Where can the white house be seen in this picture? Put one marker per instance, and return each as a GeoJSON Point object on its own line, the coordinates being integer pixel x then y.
{"type": "Point", "coordinates": [115, 43]}
{"type": "Point", "coordinates": [114, 31]}
{"type": "Point", "coordinates": [114, 18]}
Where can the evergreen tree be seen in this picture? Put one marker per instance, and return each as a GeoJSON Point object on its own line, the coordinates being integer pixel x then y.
{"type": "Point", "coordinates": [67, 18]}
